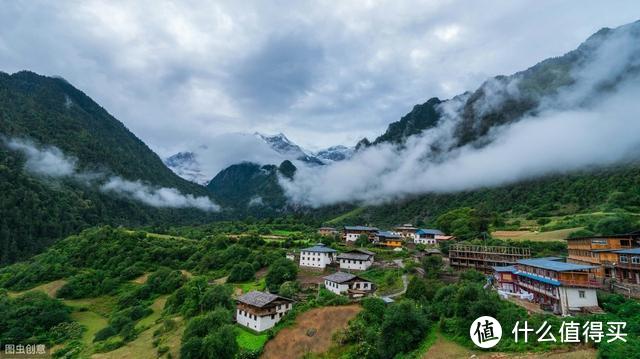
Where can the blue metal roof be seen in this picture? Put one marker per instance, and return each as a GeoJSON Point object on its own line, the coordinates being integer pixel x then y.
{"type": "Point", "coordinates": [360, 228]}
{"type": "Point", "coordinates": [554, 265]}
{"type": "Point", "coordinates": [629, 251]}
{"type": "Point", "coordinates": [429, 231]}
{"type": "Point", "coordinates": [321, 248]}
{"type": "Point", "coordinates": [387, 234]}
{"type": "Point", "coordinates": [511, 269]}
{"type": "Point", "coordinates": [539, 278]}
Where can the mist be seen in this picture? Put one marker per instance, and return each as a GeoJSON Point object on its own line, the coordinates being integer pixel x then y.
{"type": "Point", "coordinates": [594, 121]}
{"type": "Point", "coordinates": [51, 162]}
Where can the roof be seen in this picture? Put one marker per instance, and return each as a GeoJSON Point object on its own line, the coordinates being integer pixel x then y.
{"type": "Point", "coordinates": [328, 228]}
{"type": "Point", "coordinates": [355, 256]}
{"type": "Point", "coordinates": [387, 234]}
{"type": "Point", "coordinates": [628, 251]}
{"type": "Point", "coordinates": [539, 278]}
{"type": "Point", "coordinates": [320, 248]}
{"type": "Point", "coordinates": [624, 235]}
{"type": "Point", "coordinates": [429, 231]}
{"type": "Point", "coordinates": [511, 269]}
{"type": "Point", "coordinates": [361, 250]}
{"type": "Point", "coordinates": [340, 277]}
{"type": "Point", "coordinates": [554, 265]}
{"type": "Point", "coordinates": [360, 228]}
{"type": "Point", "coordinates": [259, 299]}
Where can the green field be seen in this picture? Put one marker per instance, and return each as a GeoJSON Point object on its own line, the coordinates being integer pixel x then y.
{"type": "Point", "coordinates": [249, 286]}
{"type": "Point", "coordinates": [250, 340]}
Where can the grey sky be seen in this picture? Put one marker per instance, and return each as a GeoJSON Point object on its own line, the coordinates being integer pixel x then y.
{"type": "Point", "coordinates": [178, 74]}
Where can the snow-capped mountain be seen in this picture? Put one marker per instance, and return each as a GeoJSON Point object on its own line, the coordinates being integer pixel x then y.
{"type": "Point", "coordinates": [203, 163]}
{"type": "Point", "coordinates": [335, 153]}
{"type": "Point", "coordinates": [185, 165]}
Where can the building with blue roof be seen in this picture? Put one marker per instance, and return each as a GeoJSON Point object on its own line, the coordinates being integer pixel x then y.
{"type": "Point", "coordinates": [626, 266]}
{"type": "Point", "coordinates": [556, 285]}
{"type": "Point", "coordinates": [427, 236]}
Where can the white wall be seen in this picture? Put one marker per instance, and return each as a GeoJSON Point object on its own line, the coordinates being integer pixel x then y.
{"type": "Point", "coordinates": [352, 237]}
{"type": "Point", "coordinates": [355, 264]}
{"type": "Point", "coordinates": [258, 323]}
{"type": "Point", "coordinates": [335, 287]}
{"type": "Point", "coordinates": [315, 259]}
{"type": "Point", "coordinates": [418, 240]}
{"type": "Point", "coordinates": [570, 298]}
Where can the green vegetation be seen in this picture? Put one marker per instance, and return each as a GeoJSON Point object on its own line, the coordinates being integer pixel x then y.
{"type": "Point", "coordinates": [282, 270]}
{"type": "Point", "coordinates": [251, 341]}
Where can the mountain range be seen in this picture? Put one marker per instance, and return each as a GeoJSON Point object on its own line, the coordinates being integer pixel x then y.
{"type": "Point", "coordinates": [66, 163]}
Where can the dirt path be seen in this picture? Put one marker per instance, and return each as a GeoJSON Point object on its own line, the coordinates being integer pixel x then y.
{"type": "Point", "coordinates": [405, 281]}
{"type": "Point", "coordinates": [294, 342]}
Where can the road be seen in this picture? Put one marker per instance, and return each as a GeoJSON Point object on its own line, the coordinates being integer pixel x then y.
{"type": "Point", "coordinates": [405, 281]}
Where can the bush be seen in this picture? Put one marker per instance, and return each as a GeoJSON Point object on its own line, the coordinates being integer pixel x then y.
{"type": "Point", "coordinates": [241, 272]}
{"type": "Point", "coordinates": [104, 333]}
{"type": "Point", "coordinates": [282, 270]}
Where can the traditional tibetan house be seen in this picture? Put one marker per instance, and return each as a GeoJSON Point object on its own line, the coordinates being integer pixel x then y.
{"type": "Point", "coordinates": [426, 236]}
{"type": "Point", "coordinates": [406, 230]}
{"type": "Point", "coordinates": [558, 286]}
{"type": "Point", "coordinates": [318, 256]}
{"type": "Point", "coordinates": [327, 231]}
{"type": "Point", "coordinates": [356, 259]}
{"type": "Point", "coordinates": [260, 311]}
{"type": "Point", "coordinates": [389, 239]}
{"type": "Point", "coordinates": [626, 268]}
{"type": "Point", "coordinates": [352, 233]}
{"type": "Point", "coordinates": [348, 284]}
{"type": "Point", "coordinates": [600, 251]}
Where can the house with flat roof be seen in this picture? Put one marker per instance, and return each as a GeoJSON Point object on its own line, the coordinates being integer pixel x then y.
{"type": "Point", "coordinates": [342, 283]}
{"type": "Point", "coordinates": [388, 239]}
{"type": "Point", "coordinates": [556, 285]}
{"type": "Point", "coordinates": [351, 233]}
{"type": "Point", "coordinates": [356, 259]}
{"type": "Point", "coordinates": [260, 311]}
{"type": "Point", "coordinates": [327, 231]}
{"type": "Point", "coordinates": [318, 256]}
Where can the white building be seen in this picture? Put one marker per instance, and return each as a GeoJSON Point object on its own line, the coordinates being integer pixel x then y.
{"type": "Point", "coordinates": [260, 311]}
{"type": "Point", "coordinates": [426, 236]}
{"type": "Point", "coordinates": [318, 256]}
{"type": "Point", "coordinates": [352, 233]}
{"type": "Point", "coordinates": [357, 259]}
{"type": "Point", "coordinates": [348, 284]}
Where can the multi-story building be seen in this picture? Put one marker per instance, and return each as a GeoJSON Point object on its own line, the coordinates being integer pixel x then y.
{"type": "Point", "coordinates": [484, 258]}
{"type": "Point", "coordinates": [506, 278]}
{"type": "Point", "coordinates": [556, 285]}
{"type": "Point", "coordinates": [356, 259]}
{"type": "Point", "coordinates": [388, 239]}
{"type": "Point", "coordinates": [599, 251]}
{"type": "Point", "coordinates": [352, 233]}
{"type": "Point", "coordinates": [406, 230]}
{"type": "Point", "coordinates": [260, 311]}
{"type": "Point", "coordinates": [426, 236]}
{"type": "Point", "coordinates": [348, 284]}
{"type": "Point", "coordinates": [626, 267]}
{"type": "Point", "coordinates": [318, 256]}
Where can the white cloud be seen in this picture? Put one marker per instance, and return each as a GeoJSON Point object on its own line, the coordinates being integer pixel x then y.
{"type": "Point", "coordinates": [50, 161]}
{"type": "Point", "coordinates": [324, 72]}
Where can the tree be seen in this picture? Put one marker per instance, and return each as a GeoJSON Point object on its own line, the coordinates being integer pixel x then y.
{"type": "Point", "coordinates": [221, 344]}
{"type": "Point", "coordinates": [362, 241]}
{"type": "Point", "coordinates": [422, 290]}
{"type": "Point", "coordinates": [241, 272]}
{"type": "Point", "coordinates": [289, 289]}
{"type": "Point", "coordinates": [403, 327]}
{"type": "Point", "coordinates": [280, 271]}
{"type": "Point", "coordinates": [432, 265]}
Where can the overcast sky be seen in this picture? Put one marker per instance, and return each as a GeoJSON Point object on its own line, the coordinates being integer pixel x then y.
{"type": "Point", "coordinates": [179, 74]}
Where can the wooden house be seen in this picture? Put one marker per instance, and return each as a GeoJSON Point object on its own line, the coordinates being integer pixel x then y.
{"type": "Point", "coordinates": [389, 239]}
{"type": "Point", "coordinates": [351, 234]}
{"type": "Point", "coordinates": [260, 311]}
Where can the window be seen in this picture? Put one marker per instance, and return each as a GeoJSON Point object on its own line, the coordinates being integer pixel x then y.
{"type": "Point", "coordinates": [623, 259]}
{"type": "Point", "coordinates": [581, 294]}
{"type": "Point", "coordinates": [635, 260]}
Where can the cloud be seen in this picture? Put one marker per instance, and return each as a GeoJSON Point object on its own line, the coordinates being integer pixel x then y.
{"type": "Point", "coordinates": [179, 74]}
{"type": "Point", "coordinates": [50, 161]}
{"type": "Point", "coordinates": [592, 122]}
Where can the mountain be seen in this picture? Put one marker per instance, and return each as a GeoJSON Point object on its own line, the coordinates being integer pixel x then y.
{"type": "Point", "coordinates": [569, 81]}
{"type": "Point", "coordinates": [251, 186]}
{"type": "Point", "coordinates": [335, 153]}
{"type": "Point", "coordinates": [47, 122]}
{"type": "Point", "coordinates": [187, 166]}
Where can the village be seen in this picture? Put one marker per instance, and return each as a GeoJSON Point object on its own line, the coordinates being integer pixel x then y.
{"type": "Point", "coordinates": [562, 286]}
